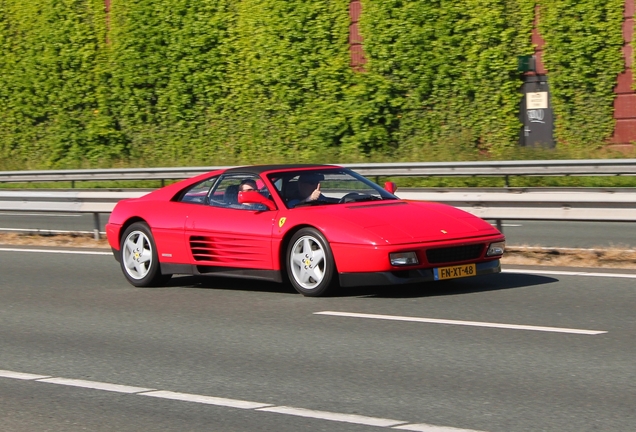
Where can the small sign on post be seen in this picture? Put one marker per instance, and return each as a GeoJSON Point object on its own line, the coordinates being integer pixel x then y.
{"type": "Point", "coordinates": [536, 113]}
{"type": "Point", "coordinates": [537, 100]}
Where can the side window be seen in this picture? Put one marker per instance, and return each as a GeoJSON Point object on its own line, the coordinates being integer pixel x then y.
{"type": "Point", "coordinates": [225, 194]}
{"type": "Point", "coordinates": [286, 187]}
{"type": "Point", "coordinates": [197, 193]}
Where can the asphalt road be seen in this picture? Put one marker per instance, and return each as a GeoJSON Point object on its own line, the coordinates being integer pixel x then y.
{"type": "Point", "coordinates": [518, 233]}
{"type": "Point", "coordinates": [230, 355]}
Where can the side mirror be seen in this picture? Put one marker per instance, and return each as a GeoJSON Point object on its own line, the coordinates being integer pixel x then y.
{"type": "Point", "coordinates": [254, 197]}
{"type": "Point", "coordinates": [390, 186]}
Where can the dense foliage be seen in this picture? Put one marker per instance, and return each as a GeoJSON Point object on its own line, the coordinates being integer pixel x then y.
{"type": "Point", "coordinates": [168, 62]}
{"type": "Point", "coordinates": [51, 84]}
{"type": "Point", "coordinates": [287, 81]}
{"type": "Point", "coordinates": [205, 82]}
{"type": "Point", "coordinates": [451, 67]}
{"type": "Point", "coordinates": [583, 56]}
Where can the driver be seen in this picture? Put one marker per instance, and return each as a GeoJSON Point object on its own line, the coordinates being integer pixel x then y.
{"type": "Point", "coordinates": [308, 190]}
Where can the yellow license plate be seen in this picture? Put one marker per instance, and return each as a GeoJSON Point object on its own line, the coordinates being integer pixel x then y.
{"type": "Point", "coordinates": [453, 272]}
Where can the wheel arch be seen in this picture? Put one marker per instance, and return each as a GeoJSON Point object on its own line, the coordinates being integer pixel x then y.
{"type": "Point", "coordinates": [128, 223]}
{"type": "Point", "coordinates": [284, 244]}
{"type": "Point", "coordinates": [147, 271]}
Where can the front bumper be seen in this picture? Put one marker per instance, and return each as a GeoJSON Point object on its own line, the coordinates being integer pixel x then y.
{"type": "Point", "coordinates": [406, 276]}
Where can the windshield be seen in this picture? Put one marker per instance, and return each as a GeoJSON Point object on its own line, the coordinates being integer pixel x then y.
{"type": "Point", "coordinates": [326, 187]}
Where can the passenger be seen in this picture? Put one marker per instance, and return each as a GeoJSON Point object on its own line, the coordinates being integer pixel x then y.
{"type": "Point", "coordinates": [247, 185]}
{"type": "Point", "coordinates": [308, 190]}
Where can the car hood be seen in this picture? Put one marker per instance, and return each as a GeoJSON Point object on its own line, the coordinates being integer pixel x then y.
{"type": "Point", "coordinates": [415, 221]}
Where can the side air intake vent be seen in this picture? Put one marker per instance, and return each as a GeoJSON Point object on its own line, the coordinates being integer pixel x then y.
{"type": "Point", "coordinates": [202, 248]}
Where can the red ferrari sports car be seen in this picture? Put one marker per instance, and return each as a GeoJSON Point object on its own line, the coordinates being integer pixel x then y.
{"type": "Point", "coordinates": [316, 226]}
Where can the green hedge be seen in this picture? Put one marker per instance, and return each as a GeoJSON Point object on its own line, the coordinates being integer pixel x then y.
{"type": "Point", "coordinates": [287, 83]}
{"type": "Point", "coordinates": [583, 41]}
{"type": "Point", "coordinates": [204, 82]}
{"type": "Point", "coordinates": [451, 67]}
{"type": "Point", "coordinates": [167, 70]}
{"type": "Point", "coordinates": [51, 81]}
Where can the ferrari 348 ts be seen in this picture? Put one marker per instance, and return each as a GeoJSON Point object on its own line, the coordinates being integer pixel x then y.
{"type": "Point", "coordinates": [316, 226]}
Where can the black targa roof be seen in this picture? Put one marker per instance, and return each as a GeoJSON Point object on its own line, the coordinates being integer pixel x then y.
{"type": "Point", "coordinates": [258, 169]}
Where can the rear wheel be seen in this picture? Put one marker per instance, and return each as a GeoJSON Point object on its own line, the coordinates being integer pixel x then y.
{"type": "Point", "coordinates": [310, 265]}
{"type": "Point", "coordinates": [139, 259]}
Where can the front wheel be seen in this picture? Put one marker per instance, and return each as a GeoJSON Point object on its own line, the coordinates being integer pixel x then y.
{"type": "Point", "coordinates": [139, 259]}
{"type": "Point", "coordinates": [310, 265]}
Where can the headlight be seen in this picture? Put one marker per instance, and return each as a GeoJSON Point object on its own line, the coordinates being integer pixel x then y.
{"type": "Point", "coordinates": [403, 258]}
{"type": "Point", "coordinates": [496, 249]}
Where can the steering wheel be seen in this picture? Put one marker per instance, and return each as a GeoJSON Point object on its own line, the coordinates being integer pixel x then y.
{"type": "Point", "coordinates": [350, 197]}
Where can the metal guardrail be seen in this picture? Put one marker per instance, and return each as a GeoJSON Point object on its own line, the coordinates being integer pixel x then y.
{"type": "Point", "coordinates": [493, 204]}
{"type": "Point", "coordinates": [592, 167]}
{"type": "Point", "coordinates": [497, 204]}
{"type": "Point", "coordinates": [590, 205]}
{"type": "Point", "coordinates": [94, 202]}
{"type": "Point", "coordinates": [505, 169]}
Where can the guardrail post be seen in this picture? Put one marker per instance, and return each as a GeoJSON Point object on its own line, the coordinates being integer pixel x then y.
{"type": "Point", "coordinates": [96, 223]}
{"type": "Point", "coordinates": [499, 226]}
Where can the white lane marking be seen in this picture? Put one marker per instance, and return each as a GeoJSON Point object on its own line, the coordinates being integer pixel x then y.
{"type": "Point", "coordinates": [95, 385]}
{"type": "Point", "coordinates": [571, 273]}
{"type": "Point", "coordinates": [40, 214]}
{"type": "Point", "coordinates": [208, 400]}
{"type": "Point", "coordinates": [558, 248]}
{"type": "Point", "coordinates": [422, 427]}
{"type": "Point", "coordinates": [234, 403]}
{"type": "Point", "coordinates": [462, 323]}
{"type": "Point", "coordinates": [326, 415]}
{"type": "Point", "coordinates": [57, 251]}
{"type": "Point", "coordinates": [21, 375]}
{"type": "Point", "coordinates": [46, 231]}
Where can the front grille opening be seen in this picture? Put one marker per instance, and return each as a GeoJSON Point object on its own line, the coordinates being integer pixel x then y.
{"type": "Point", "coordinates": [455, 253]}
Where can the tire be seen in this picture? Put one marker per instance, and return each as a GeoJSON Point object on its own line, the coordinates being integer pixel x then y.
{"type": "Point", "coordinates": [310, 265]}
{"type": "Point", "coordinates": [139, 259]}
